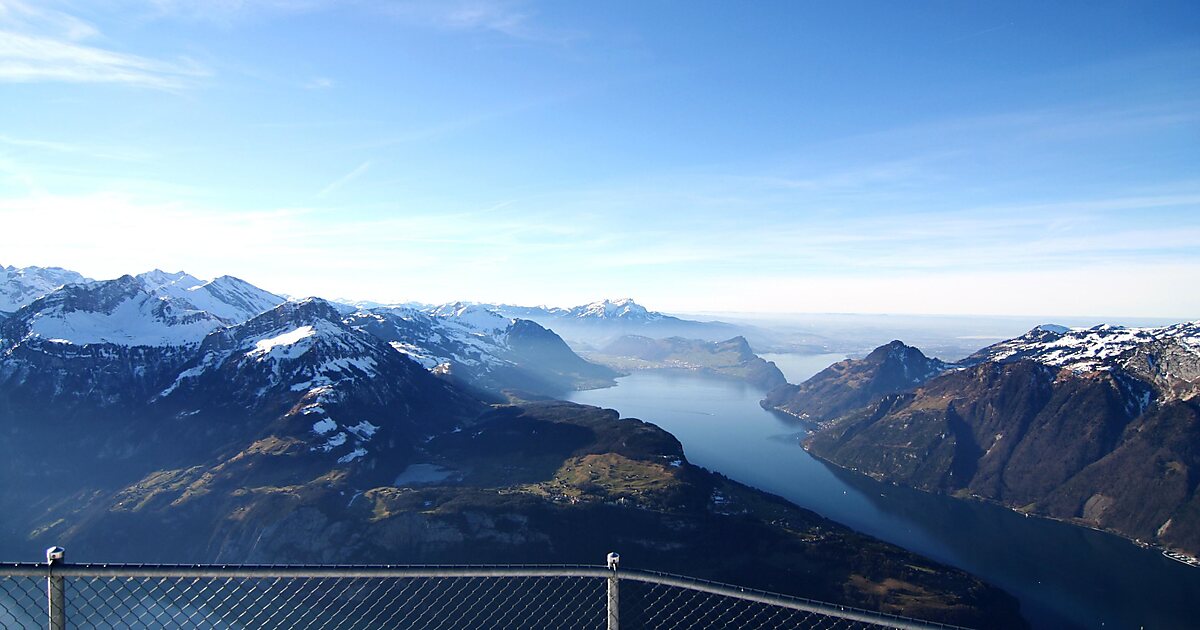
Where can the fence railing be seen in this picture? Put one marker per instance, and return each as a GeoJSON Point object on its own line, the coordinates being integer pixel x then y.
{"type": "Point", "coordinates": [58, 596]}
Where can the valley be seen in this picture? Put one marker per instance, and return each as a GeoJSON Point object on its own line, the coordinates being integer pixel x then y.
{"type": "Point", "coordinates": [310, 431]}
{"type": "Point", "coordinates": [1064, 576]}
{"type": "Point", "coordinates": [433, 434]}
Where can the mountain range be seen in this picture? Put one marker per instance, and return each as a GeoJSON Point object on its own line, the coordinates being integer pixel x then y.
{"type": "Point", "coordinates": [594, 325]}
{"type": "Point", "coordinates": [1098, 426]}
{"type": "Point", "coordinates": [161, 418]}
{"type": "Point", "coordinates": [481, 348]}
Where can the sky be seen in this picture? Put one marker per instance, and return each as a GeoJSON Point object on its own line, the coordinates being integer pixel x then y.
{"type": "Point", "coordinates": [1005, 158]}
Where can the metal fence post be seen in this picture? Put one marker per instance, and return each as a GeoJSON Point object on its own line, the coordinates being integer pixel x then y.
{"type": "Point", "coordinates": [56, 597]}
{"type": "Point", "coordinates": [614, 594]}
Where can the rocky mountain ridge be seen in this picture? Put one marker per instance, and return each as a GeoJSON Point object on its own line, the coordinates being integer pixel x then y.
{"type": "Point", "coordinates": [157, 309]}
{"type": "Point", "coordinates": [732, 358]}
{"type": "Point", "coordinates": [850, 384]}
{"type": "Point", "coordinates": [483, 349]}
{"type": "Point", "coordinates": [1097, 426]}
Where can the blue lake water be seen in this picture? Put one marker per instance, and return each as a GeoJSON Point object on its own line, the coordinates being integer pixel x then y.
{"type": "Point", "coordinates": [1065, 576]}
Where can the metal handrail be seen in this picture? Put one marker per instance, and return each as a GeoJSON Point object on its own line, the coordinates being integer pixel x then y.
{"type": "Point", "coordinates": [398, 571]}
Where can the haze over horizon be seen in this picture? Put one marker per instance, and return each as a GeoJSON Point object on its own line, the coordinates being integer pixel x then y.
{"type": "Point", "coordinates": [1003, 159]}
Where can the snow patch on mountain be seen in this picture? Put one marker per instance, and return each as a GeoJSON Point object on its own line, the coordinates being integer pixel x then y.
{"type": "Point", "coordinates": [333, 442]}
{"type": "Point", "coordinates": [352, 455]}
{"type": "Point", "coordinates": [418, 354]}
{"type": "Point", "coordinates": [1086, 349]}
{"type": "Point", "coordinates": [207, 362]}
{"type": "Point", "coordinates": [363, 430]}
{"type": "Point", "coordinates": [285, 345]}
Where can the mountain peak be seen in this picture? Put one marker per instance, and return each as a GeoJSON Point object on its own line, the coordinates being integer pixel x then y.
{"type": "Point", "coordinates": [21, 286]}
{"type": "Point", "coordinates": [892, 368]}
{"type": "Point", "coordinates": [895, 349]}
{"type": "Point", "coordinates": [623, 308]}
{"type": "Point", "coordinates": [307, 310]}
{"type": "Point", "coordinates": [123, 312]}
{"type": "Point", "coordinates": [157, 278]}
{"type": "Point", "coordinates": [155, 308]}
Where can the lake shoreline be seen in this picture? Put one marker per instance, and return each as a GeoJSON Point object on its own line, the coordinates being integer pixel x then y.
{"type": "Point", "coordinates": [1063, 574]}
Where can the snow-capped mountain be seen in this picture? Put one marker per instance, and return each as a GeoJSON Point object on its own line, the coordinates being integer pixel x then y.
{"type": "Point", "coordinates": [297, 370]}
{"type": "Point", "coordinates": [480, 347]}
{"type": "Point", "coordinates": [150, 309]}
{"type": "Point", "coordinates": [620, 309]}
{"type": "Point", "coordinates": [601, 322]}
{"type": "Point", "coordinates": [1085, 349]}
{"type": "Point", "coordinates": [19, 287]}
{"type": "Point", "coordinates": [327, 385]}
{"type": "Point", "coordinates": [231, 299]}
{"type": "Point", "coordinates": [291, 396]}
{"type": "Point", "coordinates": [475, 317]}
{"type": "Point", "coordinates": [624, 308]}
{"type": "Point", "coordinates": [95, 329]}
{"type": "Point", "coordinates": [121, 312]}
{"type": "Point", "coordinates": [111, 343]}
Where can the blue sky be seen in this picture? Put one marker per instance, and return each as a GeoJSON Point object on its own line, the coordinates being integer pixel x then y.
{"type": "Point", "coordinates": [922, 157]}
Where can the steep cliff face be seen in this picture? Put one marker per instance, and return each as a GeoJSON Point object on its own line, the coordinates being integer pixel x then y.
{"type": "Point", "coordinates": [1097, 426]}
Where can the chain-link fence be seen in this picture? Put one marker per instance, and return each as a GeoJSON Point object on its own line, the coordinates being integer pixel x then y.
{"type": "Point", "coordinates": [60, 596]}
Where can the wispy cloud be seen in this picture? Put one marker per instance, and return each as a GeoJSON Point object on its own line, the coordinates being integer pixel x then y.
{"type": "Point", "coordinates": [227, 12]}
{"type": "Point", "coordinates": [47, 45]}
{"type": "Point", "coordinates": [506, 17]}
{"type": "Point", "coordinates": [109, 153]}
{"type": "Point", "coordinates": [45, 20]}
{"type": "Point", "coordinates": [345, 179]}
{"type": "Point", "coordinates": [318, 83]}
{"type": "Point", "coordinates": [510, 18]}
{"type": "Point", "coordinates": [889, 172]}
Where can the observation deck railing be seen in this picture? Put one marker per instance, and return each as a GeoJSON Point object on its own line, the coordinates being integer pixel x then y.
{"type": "Point", "coordinates": [58, 596]}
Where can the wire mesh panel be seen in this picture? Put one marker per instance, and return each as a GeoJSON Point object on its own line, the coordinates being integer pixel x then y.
{"type": "Point", "coordinates": [61, 596]}
{"type": "Point", "coordinates": [22, 602]}
{"type": "Point", "coordinates": [659, 606]}
{"type": "Point", "coordinates": [334, 603]}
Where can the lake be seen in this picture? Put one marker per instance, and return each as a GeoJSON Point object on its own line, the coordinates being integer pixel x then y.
{"type": "Point", "coordinates": [1065, 576]}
